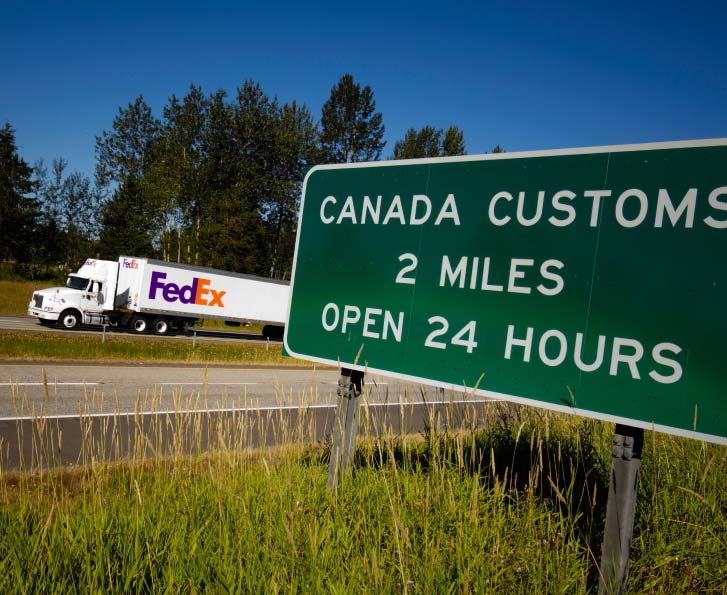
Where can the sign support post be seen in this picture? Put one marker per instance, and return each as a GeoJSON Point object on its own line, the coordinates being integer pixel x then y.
{"type": "Point", "coordinates": [345, 425]}
{"type": "Point", "coordinates": [628, 444]}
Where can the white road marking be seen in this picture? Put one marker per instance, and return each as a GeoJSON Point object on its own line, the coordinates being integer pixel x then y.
{"type": "Point", "coordinates": [243, 410]}
{"type": "Point", "coordinates": [49, 383]}
{"type": "Point", "coordinates": [207, 383]}
{"type": "Point", "coordinates": [372, 383]}
{"type": "Point", "coordinates": [52, 383]}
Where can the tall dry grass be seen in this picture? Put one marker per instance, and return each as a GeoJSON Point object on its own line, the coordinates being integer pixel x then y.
{"type": "Point", "coordinates": [509, 503]}
{"type": "Point", "coordinates": [15, 295]}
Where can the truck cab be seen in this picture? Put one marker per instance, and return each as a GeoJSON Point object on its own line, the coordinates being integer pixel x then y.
{"type": "Point", "coordinates": [86, 298]}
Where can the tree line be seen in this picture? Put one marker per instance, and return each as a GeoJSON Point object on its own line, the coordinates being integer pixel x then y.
{"type": "Point", "coordinates": [215, 181]}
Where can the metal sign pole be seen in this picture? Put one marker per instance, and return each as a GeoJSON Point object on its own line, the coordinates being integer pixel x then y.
{"type": "Point", "coordinates": [346, 425]}
{"type": "Point", "coordinates": [628, 444]}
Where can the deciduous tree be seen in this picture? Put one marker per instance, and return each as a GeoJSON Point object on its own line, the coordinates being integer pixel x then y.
{"type": "Point", "coordinates": [172, 178]}
{"type": "Point", "coordinates": [123, 152]}
{"type": "Point", "coordinates": [295, 150]}
{"type": "Point", "coordinates": [69, 219]}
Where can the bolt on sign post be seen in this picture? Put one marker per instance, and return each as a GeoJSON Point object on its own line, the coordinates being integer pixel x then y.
{"type": "Point", "coordinates": [589, 281]}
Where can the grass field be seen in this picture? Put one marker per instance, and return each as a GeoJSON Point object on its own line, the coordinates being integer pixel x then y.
{"type": "Point", "coordinates": [515, 507]}
{"type": "Point", "coordinates": [17, 346]}
{"type": "Point", "coordinates": [15, 295]}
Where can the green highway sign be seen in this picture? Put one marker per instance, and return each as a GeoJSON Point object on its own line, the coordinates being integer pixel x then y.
{"type": "Point", "coordinates": [592, 281]}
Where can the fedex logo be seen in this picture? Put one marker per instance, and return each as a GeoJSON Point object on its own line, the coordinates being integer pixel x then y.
{"type": "Point", "coordinates": [90, 262]}
{"type": "Point", "coordinates": [130, 264]}
{"type": "Point", "coordinates": [196, 293]}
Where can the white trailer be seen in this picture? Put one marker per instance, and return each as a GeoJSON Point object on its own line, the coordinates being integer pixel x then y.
{"type": "Point", "coordinates": [144, 294]}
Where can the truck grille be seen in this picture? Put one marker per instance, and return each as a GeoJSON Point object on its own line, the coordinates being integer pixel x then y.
{"type": "Point", "coordinates": [38, 299]}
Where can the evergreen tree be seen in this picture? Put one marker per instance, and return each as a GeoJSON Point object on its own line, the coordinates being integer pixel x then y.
{"type": "Point", "coordinates": [351, 128]}
{"type": "Point", "coordinates": [255, 128]}
{"type": "Point", "coordinates": [453, 142]}
{"type": "Point", "coordinates": [18, 206]}
{"type": "Point", "coordinates": [125, 227]}
{"type": "Point", "coordinates": [123, 155]}
{"type": "Point", "coordinates": [430, 142]}
{"type": "Point", "coordinates": [219, 216]}
{"type": "Point", "coordinates": [426, 142]}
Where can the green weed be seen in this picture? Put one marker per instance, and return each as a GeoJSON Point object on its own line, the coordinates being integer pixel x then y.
{"type": "Point", "coordinates": [512, 506]}
{"type": "Point", "coordinates": [17, 346]}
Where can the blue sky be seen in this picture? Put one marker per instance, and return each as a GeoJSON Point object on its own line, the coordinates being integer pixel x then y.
{"type": "Point", "coordinates": [523, 75]}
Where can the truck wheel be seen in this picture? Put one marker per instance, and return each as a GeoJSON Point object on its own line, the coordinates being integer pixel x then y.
{"type": "Point", "coordinates": [138, 324]}
{"type": "Point", "coordinates": [160, 326]}
{"type": "Point", "coordinates": [69, 319]}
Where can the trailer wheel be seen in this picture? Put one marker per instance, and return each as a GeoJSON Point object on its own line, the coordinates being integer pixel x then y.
{"type": "Point", "coordinates": [138, 324]}
{"type": "Point", "coordinates": [160, 326]}
{"type": "Point", "coordinates": [69, 319]}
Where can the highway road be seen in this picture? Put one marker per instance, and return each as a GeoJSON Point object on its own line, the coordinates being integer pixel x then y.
{"type": "Point", "coordinates": [54, 388]}
{"type": "Point", "coordinates": [26, 324]}
{"type": "Point", "coordinates": [61, 389]}
{"type": "Point", "coordinates": [53, 415]}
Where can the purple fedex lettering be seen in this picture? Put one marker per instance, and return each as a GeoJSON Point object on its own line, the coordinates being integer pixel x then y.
{"type": "Point", "coordinates": [171, 292]}
{"type": "Point", "coordinates": [157, 282]}
{"type": "Point", "coordinates": [187, 292]}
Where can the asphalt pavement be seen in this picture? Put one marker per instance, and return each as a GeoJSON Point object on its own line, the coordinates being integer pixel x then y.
{"type": "Point", "coordinates": [57, 414]}
{"type": "Point", "coordinates": [61, 389]}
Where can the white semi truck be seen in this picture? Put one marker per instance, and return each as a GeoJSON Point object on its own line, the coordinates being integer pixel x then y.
{"type": "Point", "coordinates": [143, 295]}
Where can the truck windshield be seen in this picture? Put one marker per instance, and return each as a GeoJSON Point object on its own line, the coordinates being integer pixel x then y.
{"type": "Point", "coordinates": [78, 283]}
